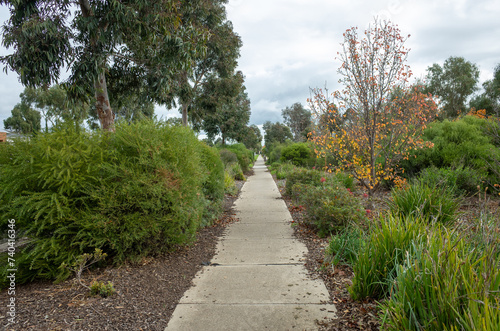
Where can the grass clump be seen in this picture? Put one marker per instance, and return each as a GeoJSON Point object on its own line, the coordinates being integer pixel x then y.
{"type": "Point", "coordinates": [387, 246]}
{"type": "Point", "coordinates": [436, 204]}
{"type": "Point", "coordinates": [345, 246]}
{"type": "Point", "coordinates": [445, 285]}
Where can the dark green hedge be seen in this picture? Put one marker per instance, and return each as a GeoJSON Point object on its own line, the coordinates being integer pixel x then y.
{"type": "Point", "coordinates": [139, 191]}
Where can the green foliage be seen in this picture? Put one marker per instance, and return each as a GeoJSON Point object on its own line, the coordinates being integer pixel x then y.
{"type": "Point", "coordinates": [283, 170]}
{"type": "Point", "coordinates": [460, 181]}
{"type": "Point", "coordinates": [276, 133]}
{"type": "Point", "coordinates": [454, 83]}
{"type": "Point", "coordinates": [345, 246]}
{"type": "Point", "coordinates": [227, 156]}
{"type": "Point", "coordinates": [329, 208]}
{"type": "Point", "coordinates": [23, 119]}
{"type": "Point", "coordinates": [102, 289]}
{"type": "Point", "coordinates": [214, 183]}
{"type": "Point", "coordinates": [299, 154]}
{"type": "Point", "coordinates": [140, 191]}
{"type": "Point", "coordinates": [244, 155]}
{"type": "Point", "coordinates": [273, 152]}
{"type": "Point", "coordinates": [462, 143]}
{"type": "Point", "coordinates": [229, 185]}
{"type": "Point", "coordinates": [387, 246]}
{"type": "Point", "coordinates": [445, 285]}
{"type": "Point", "coordinates": [298, 119]}
{"type": "Point", "coordinates": [435, 204]}
{"type": "Point", "coordinates": [302, 176]}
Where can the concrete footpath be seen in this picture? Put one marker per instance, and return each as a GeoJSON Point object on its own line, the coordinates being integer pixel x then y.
{"type": "Point", "coordinates": [257, 279]}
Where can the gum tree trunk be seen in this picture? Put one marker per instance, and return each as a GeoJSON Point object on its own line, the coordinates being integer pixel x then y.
{"type": "Point", "coordinates": [104, 111]}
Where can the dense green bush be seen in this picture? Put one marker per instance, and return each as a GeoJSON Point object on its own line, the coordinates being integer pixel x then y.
{"type": "Point", "coordinates": [142, 190]}
{"type": "Point", "coordinates": [436, 204]}
{"type": "Point", "coordinates": [445, 285]}
{"type": "Point", "coordinates": [227, 156]}
{"type": "Point", "coordinates": [460, 181]}
{"type": "Point", "coordinates": [302, 176]}
{"type": "Point", "coordinates": [214, 183]}
{"type": "Point", "coordinates": [464, 142]}
{"type": "Point", "coordinates": [388, 245]}
{"type": "Point", "coordinates": [299, 154]}
{"type": "Point", "coordinates": [244, 155]}
{"type": "Point", "coordinates": [274, 151]}
{"type": "Point", "coordinates": [329, 208]}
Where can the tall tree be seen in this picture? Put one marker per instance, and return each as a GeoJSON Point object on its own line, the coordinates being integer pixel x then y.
{"type": "Point", "coordinates": [453, 83]}
{"type": "Point", "coordinates": [385, 118]}
{"type": "Point", "coordinates": [141, 44]}
{"type": "Point", "coordinates": [54, 105]}
{"type": "Point", "coordinates": [24, 119]}
{"type": "Point", "coordinates": [276, 133]}
{"type": "Point", "coordinates": [251, 137]}
{"type": "Point", "coordinates": [489, 100]}
{"type": "Point", "coordinates": [228, 108]}
{"type": "Point", "coordinates": [298, 119]}
{"type": "Point", "coordinates": [219, 61]}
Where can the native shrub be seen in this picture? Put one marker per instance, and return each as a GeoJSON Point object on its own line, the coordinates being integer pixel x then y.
{"type": "Point", "coordinates": [329, 208]}
{"type": "Point", "coordinates": [142, 190]}
{"type": "Point", "coordinates": [460, 180]}
{"type": "Point", "coordinates": [345, 246]}
{"type": "Point", "coordinates": [302, 176]}
{"type": "Point", "coordinates": [298, 154]}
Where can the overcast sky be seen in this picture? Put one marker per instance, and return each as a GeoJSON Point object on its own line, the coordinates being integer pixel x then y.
{"type": "Point", "coordinates": [290, 45]}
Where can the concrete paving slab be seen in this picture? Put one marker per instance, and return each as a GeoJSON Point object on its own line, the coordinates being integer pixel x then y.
{"type": "Point", "coordinates": [256, 284]}
{"type": "Point", "coordinates": [275, 317]}
{"type": "Point", "coordinates": [254, 251]}
{"type": "Point", "coordinates": [261, 282]}
{"type": "Point", "coordinates": [259, 231]}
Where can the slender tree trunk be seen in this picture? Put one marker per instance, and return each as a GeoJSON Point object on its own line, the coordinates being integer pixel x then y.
{"type": "Point", "coordinates": [103, 107]}
{"type": "Point", "coordinates": [185, 114]}
{"type": "Point", "coordinates": [104, 111]}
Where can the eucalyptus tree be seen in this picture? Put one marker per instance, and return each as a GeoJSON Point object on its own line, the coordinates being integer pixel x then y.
{"type": "Point", "coordinates": [454, 82]}
{"type": "Point", "coordinates": [227, 109]}
{"type": "Point", "coordinates": [140, 45]}
{"type": "Point", "coordinates": [219, 61]}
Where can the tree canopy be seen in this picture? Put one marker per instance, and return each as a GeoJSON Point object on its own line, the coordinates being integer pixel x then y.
{"type": "Point", "coordinates": [276, 133]}
{"type": "Point", "coordinates": [298, 119]}
{"type": "Point", "coordinates": [138, 46]}
{"type": "Point", "coordinates": [454, 82]}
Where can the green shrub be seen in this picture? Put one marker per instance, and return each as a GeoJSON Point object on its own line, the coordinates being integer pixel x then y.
{"type": "Point", "coordinates": [229, 184]}
{"type": "Point", "coordinates": [445, 285]}
{"type": "Point", "coordinates": [227, 156]}
{"type": "Point", "coordinates": [282, 170]}
{"type": "Point", "coordinates": [142, 190]}
{"type": "Point", "coordinates": [464, 142]}
{"type": "Point", "coordinates": [235, 170]}
{"type": "Point", "coordinates": [213, 185]}
{"type": "Point", "coordinates": [460, 181]}
{"type": "Point", "coordinates": [435, 204]}
{"type": "Point", "coordinates": [298, 154]}
{"type": "Point", "coordinates": [345, 246]}
{"type": "Point", "coordinates": [387, 246]}
{"type": "Point", "coordinates": [329, 208]}
{"type": "Point", "coordinates": [302, 176]}
{"type": "Point", "coordinates": [344, 178]}
{"type": "Point", "coordinates": [244, 155]}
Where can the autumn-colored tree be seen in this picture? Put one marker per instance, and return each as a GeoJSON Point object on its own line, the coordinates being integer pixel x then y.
{"type": "Point", "coordinates": [378, 119]}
